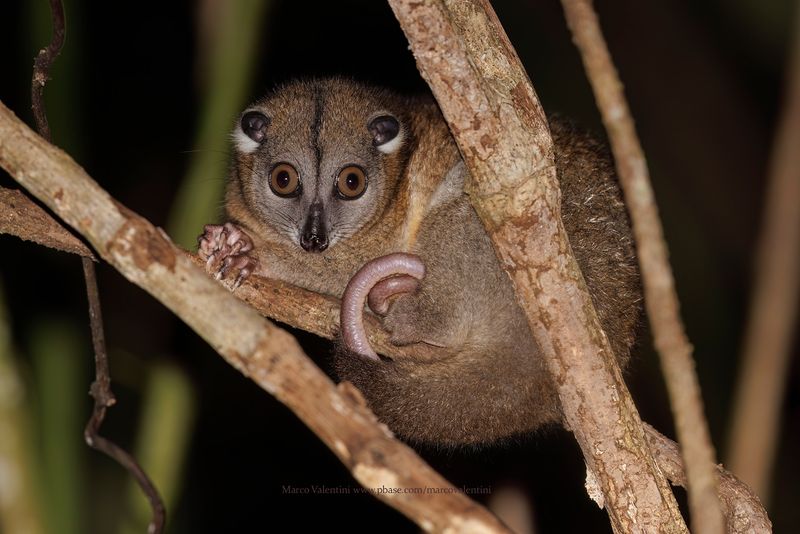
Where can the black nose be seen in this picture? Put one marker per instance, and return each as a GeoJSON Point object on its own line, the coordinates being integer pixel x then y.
{"type": "Point", "coordinates": [312, 242]}
{"type": "Point", "coordinates": [314, 237]}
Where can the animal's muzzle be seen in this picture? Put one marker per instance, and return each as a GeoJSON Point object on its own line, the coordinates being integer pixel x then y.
{"type": "Point", "coordinates": [315, 236]}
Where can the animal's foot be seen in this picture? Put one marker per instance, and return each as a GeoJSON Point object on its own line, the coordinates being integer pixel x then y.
{"type": "Point", "coordinates": [412, 318]}
{"type": "Point", "coordinates": [225, 250]}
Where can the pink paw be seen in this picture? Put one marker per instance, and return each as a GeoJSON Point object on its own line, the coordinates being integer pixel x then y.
{"type": "Point", "coordinates": [225, 250]}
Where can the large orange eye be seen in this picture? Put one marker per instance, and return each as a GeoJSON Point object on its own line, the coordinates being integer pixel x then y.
{"type": "Point", "coordinates": [284, 180]}
{"type": "Point", "coordinates": [351, 182]}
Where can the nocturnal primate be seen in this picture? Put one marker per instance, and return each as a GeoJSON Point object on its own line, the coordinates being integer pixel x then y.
{"type": "Point", "coordinates": [330, 174]}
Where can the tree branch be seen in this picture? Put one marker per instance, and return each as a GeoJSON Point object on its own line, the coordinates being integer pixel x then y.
{"type": "Point", "coordinates": [740, 505]}
{"type": "Point", "coordinates": [41, 67]}
{"type": "Point", "coordinates": [22, 217]}
{"type": "Point", "coordinates": [661, 300]}
{"type": "Point", "coordinates": [495, 116]}
{"type": "Point", "coordinates": [260, 350]}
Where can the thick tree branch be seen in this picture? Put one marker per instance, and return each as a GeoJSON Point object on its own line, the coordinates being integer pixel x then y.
{"type": "Point", "coordinates": [495, 116]}
{"type": "Point", "coordinates": [260, 350]}
{"type": "Point", "coordinates": [661, 300]}
{"type": "Point", "coordinates": [22, 217]}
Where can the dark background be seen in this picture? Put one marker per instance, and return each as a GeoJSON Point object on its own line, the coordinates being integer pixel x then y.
{"type": "Point", "coordinates": [704, 82]}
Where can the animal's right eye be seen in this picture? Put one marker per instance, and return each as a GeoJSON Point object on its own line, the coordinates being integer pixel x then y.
{"type": "Point", "coordinates": [284, 181]}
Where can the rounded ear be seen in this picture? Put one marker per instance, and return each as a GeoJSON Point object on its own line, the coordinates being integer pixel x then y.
{"type": "Point", "coordinates": [254, 125]}
{"type": "Point", "coordinates": [251, 132]}
{"type": "Point", "coordinates": [387, 135]}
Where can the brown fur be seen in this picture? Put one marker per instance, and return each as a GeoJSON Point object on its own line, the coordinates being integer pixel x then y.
{"type": "Point", "coordinates": [493, 383]}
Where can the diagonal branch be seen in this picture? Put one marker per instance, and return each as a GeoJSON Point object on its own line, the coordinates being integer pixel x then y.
{"type": "Point", "coordinates": [495, 117]}
{"type": "Point", "coordinates": [661, 300]}
{"type": "Point", "coordinates": [265, 353]}
{"type": "Point", "coordinates": [22, 217]}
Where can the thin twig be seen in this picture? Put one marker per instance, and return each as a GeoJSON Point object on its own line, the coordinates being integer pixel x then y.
{"type": "Point", "coordinates": [267, 354]}
{"type": "Point", "coordinates": [773, 310]}
{"type": "Point", "coordinates": [101, 387]}
{"type": "Point", "coordinates": [661, 299]}
{"type": "Point", "coordinates": [41, 67]}
{"type": "Point", "coordinates": [104, 399]}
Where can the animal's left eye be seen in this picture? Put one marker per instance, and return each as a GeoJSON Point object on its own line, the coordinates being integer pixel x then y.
{"type": "Point", "coordinates": [351, 182]}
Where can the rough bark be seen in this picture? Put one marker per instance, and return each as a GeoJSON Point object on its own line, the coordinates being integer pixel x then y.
{"type": "Point", "coordinates": [661, 300]}
{"type": "Point", "coordinates": [20, 216]}
{"type": "Point", "coordinates": [741, 507]}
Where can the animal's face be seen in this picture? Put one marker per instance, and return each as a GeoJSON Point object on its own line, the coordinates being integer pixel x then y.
{"type": "Point", "coordinates": [318, 165]}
